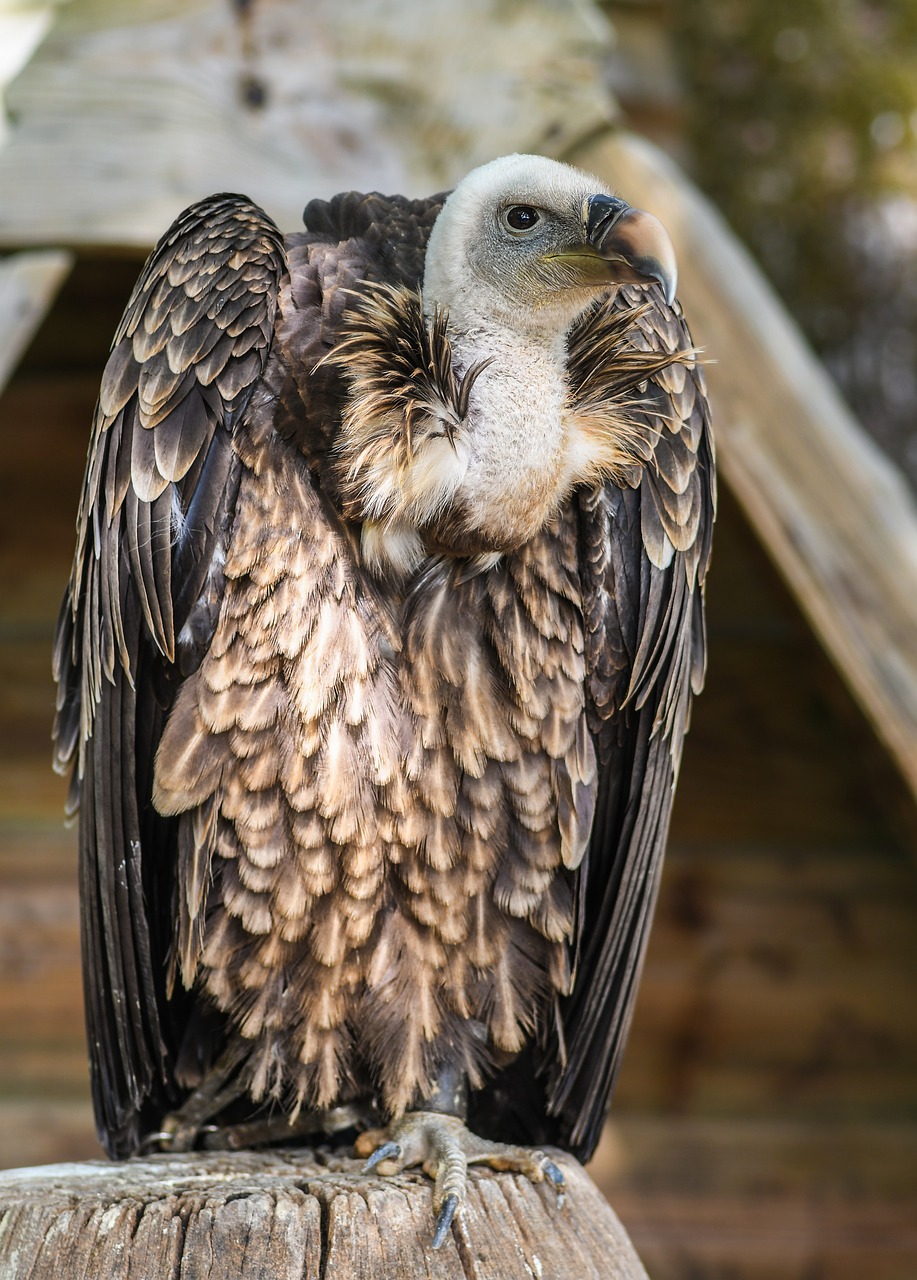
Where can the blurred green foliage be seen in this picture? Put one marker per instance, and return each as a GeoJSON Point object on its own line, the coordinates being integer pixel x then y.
{"type": "Point", "coordinates": [802, 127]}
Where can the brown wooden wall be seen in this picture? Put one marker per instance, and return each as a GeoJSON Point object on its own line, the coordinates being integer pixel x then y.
{"type": "Point", "coordinates": [766, 1119]}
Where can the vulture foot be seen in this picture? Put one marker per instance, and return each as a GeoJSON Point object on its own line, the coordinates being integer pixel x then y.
{"type": "Point", "coordinates": [268, 1130]}
{"type": "Point", "coordinates": [444, 1148]}
{"type": "Point", "coordinates": [181, 1129]}
{"type": "Point", "coordinates": [196, 1123]}
{"type": "Point", "coordinates": [186, 1129]}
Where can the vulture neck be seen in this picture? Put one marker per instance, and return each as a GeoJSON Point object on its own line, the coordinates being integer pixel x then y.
{"type": "Point", "coordinates": [516, 429]}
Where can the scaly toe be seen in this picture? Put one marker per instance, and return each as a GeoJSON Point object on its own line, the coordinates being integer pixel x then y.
{"type": "Point", "coordinates": [435, 1142]}
{"type": "Point", "coordinates": [442, 1145]}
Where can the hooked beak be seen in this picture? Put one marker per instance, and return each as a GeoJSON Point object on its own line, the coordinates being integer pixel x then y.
{"type": "Point", "coordinates": [635, 245]}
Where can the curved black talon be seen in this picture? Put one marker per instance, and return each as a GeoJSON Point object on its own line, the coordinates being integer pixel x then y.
{"type": "Point", "coordinates": [556, 1178]}
{"type": "Point", "coordinates": [388, 1151]}
{"type": "Point", "coordinates": [444, 1220]}
{"type": "Point", "coordinates": [554, 1175]}
{"type": "Point", "coordinates": [151, 1142]}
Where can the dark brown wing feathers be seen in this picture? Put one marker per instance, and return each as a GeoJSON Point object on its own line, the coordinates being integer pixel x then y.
{"type": "Point", "coordinates": [644, 553]}
{"type": "Point", "coordinates": [191, 344]}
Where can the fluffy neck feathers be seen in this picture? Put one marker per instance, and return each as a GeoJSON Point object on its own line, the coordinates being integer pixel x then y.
{"type": "Point", "coordinates": [468, 441]}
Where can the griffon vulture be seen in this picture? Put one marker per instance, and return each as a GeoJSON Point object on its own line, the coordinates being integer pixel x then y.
{"type": "Point", "coordinates": [375, 666]}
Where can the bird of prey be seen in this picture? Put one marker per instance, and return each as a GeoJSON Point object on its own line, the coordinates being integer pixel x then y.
{"type": "Point", "coordinates": [374, 669]}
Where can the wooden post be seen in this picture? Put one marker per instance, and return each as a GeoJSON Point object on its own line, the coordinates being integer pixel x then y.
{"type": "Point", "coordinates": [297, 1213]}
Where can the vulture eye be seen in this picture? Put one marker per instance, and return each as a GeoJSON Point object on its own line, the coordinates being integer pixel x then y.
{"type": "Point", "coordinates": [521, 217]}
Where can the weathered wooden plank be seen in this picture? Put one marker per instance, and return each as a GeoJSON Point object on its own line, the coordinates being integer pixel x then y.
{"type": "Point", "coordinates": [283, 101]}
{"type": "Point", "coordinates": [772, 1237]}
{"type": "Point", "coordinates": [834, 513]}
{"type": "Point", "coordinates": [45, 1128]}
{"type": "Point", "coordinates": [28, 286]}
{"type": "Point", "coordinates": [27, 785]}
{"type": "Point", "coordinates": [287, 1214]}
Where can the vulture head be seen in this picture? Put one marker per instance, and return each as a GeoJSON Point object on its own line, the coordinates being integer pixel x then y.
{"type": "Point", "coordinates": [474, 444]}
{"type": "Point", "coordinates": [528, 242]}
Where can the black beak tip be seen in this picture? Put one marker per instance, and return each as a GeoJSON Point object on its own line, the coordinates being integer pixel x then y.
{"type": "Point", "coordinates": [668, 279]}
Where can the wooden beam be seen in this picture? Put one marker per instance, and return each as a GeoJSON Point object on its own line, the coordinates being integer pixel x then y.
{"type": "Point", "coordinates": [286, 1214]}
{"type": "Point", "coordinates": [29, 283]}
{"type": "Point", "coordinates": [833, 511]}
{"type": "Point", "coordinates": [127, 113]}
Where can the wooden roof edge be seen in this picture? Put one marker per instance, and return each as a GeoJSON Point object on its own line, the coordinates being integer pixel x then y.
{"type": "Point", "coordinates": [29, 283]}
{"type": "Point", "coordinates": [125, 114]}
{"type": "Point", "coordinates": [834, 512]}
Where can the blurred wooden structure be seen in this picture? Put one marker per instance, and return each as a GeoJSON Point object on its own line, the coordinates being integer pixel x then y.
{"type": "Point", "coordinates": [764, 1126]}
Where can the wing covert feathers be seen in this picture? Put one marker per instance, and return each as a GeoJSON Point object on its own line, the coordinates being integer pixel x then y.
{"type": "Point", "coordinates": [158, 488]}
{"type": "Point", "coordinates": [644, 550]}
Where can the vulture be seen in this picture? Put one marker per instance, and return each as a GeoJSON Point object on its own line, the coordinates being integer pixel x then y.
{"type": "Point", "coordinates": [374, 670]}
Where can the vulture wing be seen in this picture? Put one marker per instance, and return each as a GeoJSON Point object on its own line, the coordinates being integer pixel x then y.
{"type": "Point", "coordinates": [157, 503]}
{"type": "Point", "coordinates": [644, 549]}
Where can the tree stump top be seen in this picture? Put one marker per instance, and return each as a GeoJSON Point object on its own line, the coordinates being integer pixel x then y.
{"type": "Point", "coordinates": [297, 1213]}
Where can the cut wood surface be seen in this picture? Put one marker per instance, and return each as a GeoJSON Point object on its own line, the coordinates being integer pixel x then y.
{"type": "Point", "coordinates": [296, 1214]}
{"type": "Point", "coordinates": [834, 513]}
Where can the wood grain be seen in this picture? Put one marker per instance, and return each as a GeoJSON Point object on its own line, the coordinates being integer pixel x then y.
{"type": "Point", "coordinates": [291, 1214]}
{"type": "Point", "coordinates": [126, 115]}
{"type": "Point", "coordinates": [759, 1200]}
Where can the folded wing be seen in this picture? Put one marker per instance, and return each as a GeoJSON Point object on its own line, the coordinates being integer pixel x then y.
{"type": "Point", "coordinates": [156, 506]}
{"type": "Point", "coordinates": [644, 549]}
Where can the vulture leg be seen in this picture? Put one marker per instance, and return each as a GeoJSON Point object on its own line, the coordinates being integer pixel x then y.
{"type": "Point", "coordinates": [221, 1086]}
{"type": "Point", "coordinates": [281, 1128]}
{"type": "Point", "coordinates": [441, 1144]}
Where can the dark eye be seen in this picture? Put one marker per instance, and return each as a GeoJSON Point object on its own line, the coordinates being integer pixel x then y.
{"type": "Point", "coordinates": [522, 217]}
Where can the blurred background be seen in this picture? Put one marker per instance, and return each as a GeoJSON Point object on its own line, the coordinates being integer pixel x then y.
{"type": "Point", "coordinates": [765, 1125]}
{"type": "Point", "coordinates": [800, 122]}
